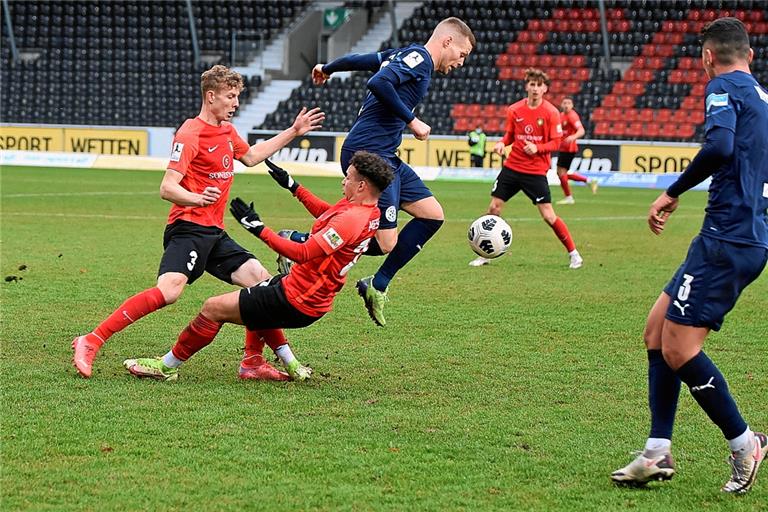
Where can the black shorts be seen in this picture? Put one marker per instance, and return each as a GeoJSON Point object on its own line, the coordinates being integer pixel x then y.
{"type": "Point", "coordinates": [265, 306]}
{"type": "Point", "coordinates": [564, 159]}
{"type": "Point", "coordinates": [191, 249]}
{"type": "Point", "coordinates": [509, 182]}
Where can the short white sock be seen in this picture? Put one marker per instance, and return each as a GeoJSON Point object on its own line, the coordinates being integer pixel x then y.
{"type": "Point", "coordinates": [742, 442]}
{"type": "Point", "coordinates": [285, 354]}
{"type": "Point", "coordinates": [656, 444]}
{"type": "Point", "coordinates": [573, 253]}
{"type": "Point", "coordinates": [171, 361]}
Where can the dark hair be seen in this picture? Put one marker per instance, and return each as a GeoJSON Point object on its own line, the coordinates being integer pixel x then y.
{"type": "Point", "coordinates": [536, 75]}
{"type": "Point", "coordinates": [373, 168]}
{"type": "Point", "coordinates": [728, 38]}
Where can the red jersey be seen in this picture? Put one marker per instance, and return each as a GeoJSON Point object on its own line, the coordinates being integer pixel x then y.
{"type": "Point", "coordinates": [540, 125]}
{"type": "Point", "coordinates": [571, 124]}
{"type": "Point", "coordinates": [204, 154]}
{"type": "Point", "coordinates": [343, 232]}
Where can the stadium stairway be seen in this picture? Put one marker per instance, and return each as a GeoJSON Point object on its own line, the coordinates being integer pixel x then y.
{"type": "Point", "coordinates": [381, 31]}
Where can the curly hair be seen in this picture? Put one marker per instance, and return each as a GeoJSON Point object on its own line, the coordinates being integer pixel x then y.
{"type": "Point", "coordinates": [374, 169]}
{"type": "Point", "coordinates": [219, 77]}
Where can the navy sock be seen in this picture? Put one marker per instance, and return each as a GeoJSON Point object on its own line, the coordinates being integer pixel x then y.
{"type": "Point", "coordinates": [710, 390]}
{"type": "Point", "coordinates": [663, 392]}
{"type": "Point", "coordinates": [409, 242]}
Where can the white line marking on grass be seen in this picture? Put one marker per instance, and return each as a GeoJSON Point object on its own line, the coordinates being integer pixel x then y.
{"type": "Point", "coordinates": [282, 218]}
{"type": "Point", "coordinates": [77, 194]}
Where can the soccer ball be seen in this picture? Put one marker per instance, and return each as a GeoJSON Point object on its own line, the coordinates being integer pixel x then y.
{"type": "Point", "coordinates": [490, 236]}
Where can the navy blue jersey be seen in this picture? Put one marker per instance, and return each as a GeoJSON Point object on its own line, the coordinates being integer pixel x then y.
{"type": "Point", "coordinates": [738, 195]}
{"type": "Point", "coordinates": [377, 129]}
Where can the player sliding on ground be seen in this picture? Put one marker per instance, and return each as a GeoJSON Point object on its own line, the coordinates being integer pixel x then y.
{"type": "Point", "coordinates": [338, 238]}
{"type": "Point", "coordinates": [400, 83]}
{"type": "Point", "coordinates": [197, 183]}
{"type": "Point", "coordinates": [728, 254]}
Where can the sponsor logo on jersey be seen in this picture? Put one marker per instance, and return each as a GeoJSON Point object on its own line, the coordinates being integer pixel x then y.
{"type": "Point", "coordinates": [373, 225]}
{"type": "Point", "coordinates": [717, 100]}
{"type": "Point", "coordinates": [528, 129]}
{"type": "Point", "coordinates": [413, 59]}
{"type": "Point", "coordinates": [223, 175]}
{"type": "Point", "coordinates": [225, 161]}
{"type": "Point", "coordinates": [559, 129]}
{"type": "Point", "coordinates": [333, 238]}
{"type": "Point", "coordinates": [391, 213]}
{"type": "Point", "coordinates": [178, 147]}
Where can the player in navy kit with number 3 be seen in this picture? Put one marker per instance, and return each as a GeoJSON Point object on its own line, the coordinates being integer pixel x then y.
{"type": "Point", "coordinates": [728, 254]}
{"type": "Point", "coordinates": [400, 83]}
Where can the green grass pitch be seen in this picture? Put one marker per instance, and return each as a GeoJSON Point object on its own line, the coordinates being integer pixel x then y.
{"type": "Point", "coordinates": [516, 386]}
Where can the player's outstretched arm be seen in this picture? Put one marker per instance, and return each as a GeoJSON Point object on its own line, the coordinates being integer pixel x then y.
{"type": "Point", "coordinates": [311, 202]}
{"type": "Point", "coordinates": [352, 62]}
{"type": "Point", "coordinates": [306, 121]}
{"type": "Point", "coordinates": [171, 190]}
{"type": "Point", "coordinates": [251, 221]}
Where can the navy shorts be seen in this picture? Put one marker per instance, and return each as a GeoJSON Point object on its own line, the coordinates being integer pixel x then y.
{"type": "Point", "coordinates": [509, 182]}
{"type": "Point", "coordinates": [407, 187]}
{"type": "Point", "coordinates": [708, 283]}
{"type": "Point", "coordinates": [265, 306]}
{"type": "Point", "coordinates": [191, 249]}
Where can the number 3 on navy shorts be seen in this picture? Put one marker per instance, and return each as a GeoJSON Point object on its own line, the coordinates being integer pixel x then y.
{"type": "Point", "coordinates": [685, 287]}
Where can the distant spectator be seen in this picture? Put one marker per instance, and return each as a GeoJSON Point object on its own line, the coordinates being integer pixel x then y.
{"type": "Point", "coordinates": [476, 139]}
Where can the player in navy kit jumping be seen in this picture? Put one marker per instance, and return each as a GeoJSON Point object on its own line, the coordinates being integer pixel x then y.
{"type": "Point", "coordinates": [400, 83]}
{"type": "Point", "coordinates": [728, 254]}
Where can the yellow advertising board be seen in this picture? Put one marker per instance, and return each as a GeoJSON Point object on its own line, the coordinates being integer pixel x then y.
{"type": "Point", "coordinates": [106, 142]}
{"type": "Point", "coordinates": [31, 139]}
{"type": "Point", "coordinates": [74, 140]}
{"type": "Point", "coordinates": [437, 153]}
{"type": "Point", "coordinates": [655, 159]}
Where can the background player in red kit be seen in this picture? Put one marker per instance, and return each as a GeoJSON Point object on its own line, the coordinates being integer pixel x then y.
{"type": "Point", "coordinates": [572, 130]}
{"type": "Point", "coordinates": [533, 129]}
{"type": "Point", "coordinates": [338, 238]}
{"type": "Point", "coordinates": [197, 184]}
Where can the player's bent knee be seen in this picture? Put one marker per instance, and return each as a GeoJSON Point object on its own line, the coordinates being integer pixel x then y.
{"type": "Point", "coordinates": [171, 287]}
{"type": "Point", "coordinates": [250, 274]}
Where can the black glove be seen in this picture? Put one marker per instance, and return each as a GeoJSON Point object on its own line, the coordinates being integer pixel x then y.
{"type": "Point", "coordinates": [282, 177]}
{"type": "Point", "coordinates": [246, 216]}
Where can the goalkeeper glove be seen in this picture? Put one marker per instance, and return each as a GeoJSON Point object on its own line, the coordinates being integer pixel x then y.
{"type": "Point", "coordinates": [282, 177]}
{"type": "Point", "coordinates": [246, 216]}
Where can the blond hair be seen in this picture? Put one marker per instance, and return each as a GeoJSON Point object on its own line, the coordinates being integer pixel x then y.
{"type": "Point", "coordinates": [220, 77]}
{"type": "Point", "coordinates": [457, 26]}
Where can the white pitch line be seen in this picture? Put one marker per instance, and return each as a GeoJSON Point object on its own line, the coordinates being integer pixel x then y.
{"type": "Point", "coordinates": [77, 194]}
{"type": "Point", "coordinates": [465, 220]}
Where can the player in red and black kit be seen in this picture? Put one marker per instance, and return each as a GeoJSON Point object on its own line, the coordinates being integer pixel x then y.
{"type": "Point", "coordinates": [572, 130]}
{"type": "Point", "coordinates": [197, 182]}
{"type": "Point", "coordinates": [533, 129]}
{"type": "Point", "coordinates": [338, 238]}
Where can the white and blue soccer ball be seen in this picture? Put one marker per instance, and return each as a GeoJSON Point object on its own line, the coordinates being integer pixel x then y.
{"type": "Point", "coordinates": [490, 236]}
